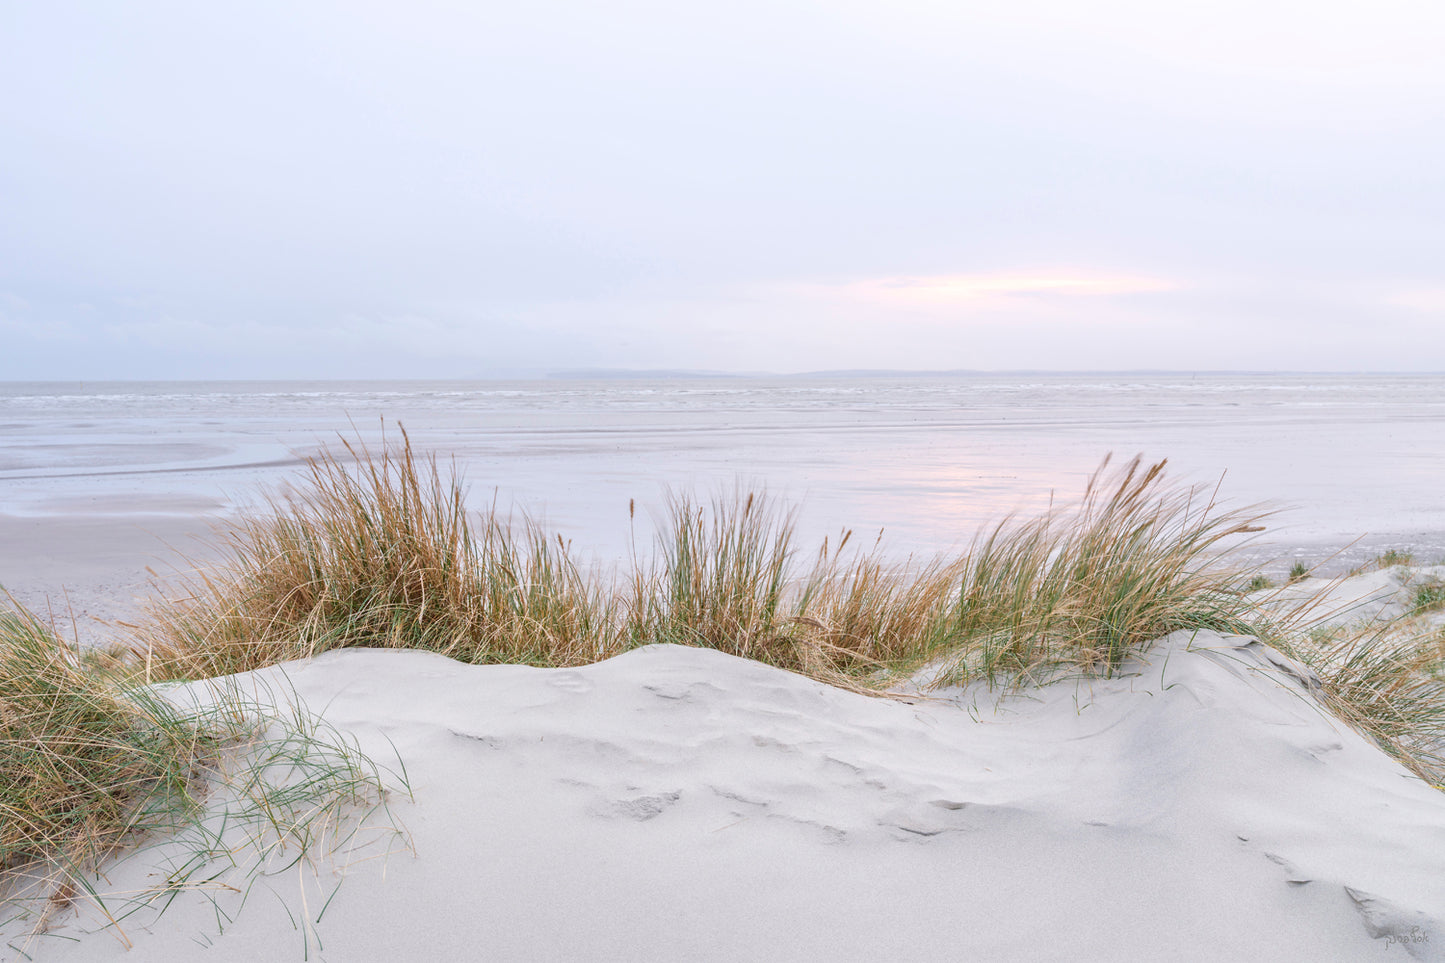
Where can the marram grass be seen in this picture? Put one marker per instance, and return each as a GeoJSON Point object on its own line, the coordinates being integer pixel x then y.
{"type": "Point", "coordinates": [377, 548]}
{"type": "Point", "coordinates": [1077, 589]}
{"type": "Point", "coordinates": [1089, 586]}
{"type": "Point", "coordinates": [93, 766]}
{"type": "Point", "coordinates": [80, 759]}
{"type": "Point", "coordinates": [1385, 681]}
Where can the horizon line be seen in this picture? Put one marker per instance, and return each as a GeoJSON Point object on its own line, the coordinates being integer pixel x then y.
{"type": "Point", "coordinates": [604, 374]}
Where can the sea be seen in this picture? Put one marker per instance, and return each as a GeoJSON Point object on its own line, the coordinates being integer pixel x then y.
{"type": "Point", "coordinates": [920, 463]}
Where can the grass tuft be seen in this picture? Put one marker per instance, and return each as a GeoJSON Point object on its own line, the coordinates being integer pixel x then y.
{"type": "Point", "coordinates": [1428, 597]}
{"type": "Point", "coordinates": [1085, 588]}
{"type": "Point", "coordinates": [92, 765]}
{"type": "Point", "coordinates": [1385, 682]}
{"type": "Point", "coordinates": [82, 761]}
{"type": "Point", "coordinates": [1391, 557]}
{"type": "Point", "coordinates": [379, 550]}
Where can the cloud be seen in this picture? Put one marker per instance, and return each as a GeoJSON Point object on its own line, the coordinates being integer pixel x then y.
{"type": "Point", "coordinates": [966, 287]}
{"type": "Point", "coordinates": [991, 290]}
{"type": "Point", "coordinates": [1425, 299]}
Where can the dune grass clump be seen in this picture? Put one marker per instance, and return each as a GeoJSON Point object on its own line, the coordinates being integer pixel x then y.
{"type": "Point", "coordinates": [94, 769]}
{"type": "Point", "coordinates": [728, 577]}
{"type": "Point", "coordinates": [1385, 682]}
{"type": "Point", "coordinates": [877, 621]}
{"type": "Point", "coordinates": [1428, 597]}
{"type": "Point", "coordinates": [1088, 587]}
{"type": "Point", "coordinates": [724, 576]}
{"type": "Point", "coordinates": [82, 762]}
{"type": "Point", "coordinates": [1084, 589]}
{"type": "Point", "coordinates": [378, 549]}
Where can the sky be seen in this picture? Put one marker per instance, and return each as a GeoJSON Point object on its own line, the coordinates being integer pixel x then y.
{"type": "Point", "coordinates": [434, 189]}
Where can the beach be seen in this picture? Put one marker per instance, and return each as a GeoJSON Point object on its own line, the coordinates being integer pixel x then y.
{"type": "Point", "coordinates": [670, 802]}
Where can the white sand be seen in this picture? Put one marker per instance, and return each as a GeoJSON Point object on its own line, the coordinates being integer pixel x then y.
{"type": "Point", "coordinates": [1379, 596]}
{"type": "Point", "coordinates": [1374, 598]}
{"type": "Point", "coordinates": [679, 804]}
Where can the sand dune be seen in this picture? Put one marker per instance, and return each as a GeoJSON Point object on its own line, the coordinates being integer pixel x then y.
{"type": "Point", "coordinates": [1378, 596]}
{"type": "Point", "coordinates": [682, 804]}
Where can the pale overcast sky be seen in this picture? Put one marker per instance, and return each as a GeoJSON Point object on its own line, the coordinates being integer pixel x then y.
{"type": "Point", "coordinates": [335, 189]}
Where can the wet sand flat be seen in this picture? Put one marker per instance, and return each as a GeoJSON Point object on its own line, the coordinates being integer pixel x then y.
{"type": "Point", "coordinates": [94, 567]}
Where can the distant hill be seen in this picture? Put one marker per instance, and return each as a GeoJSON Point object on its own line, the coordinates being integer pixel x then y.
{"type": "Point", "coordinates": [622, 374]}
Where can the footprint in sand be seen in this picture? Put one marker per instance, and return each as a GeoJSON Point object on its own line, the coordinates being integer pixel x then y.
{"type": "Point", "coordinates": [640, 808]}
{"type": "Point", "coordinates": [573, 682]}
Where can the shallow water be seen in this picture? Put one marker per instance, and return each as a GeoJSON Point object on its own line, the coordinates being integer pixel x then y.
{"type": "Point", "coordinates": [928, 459]}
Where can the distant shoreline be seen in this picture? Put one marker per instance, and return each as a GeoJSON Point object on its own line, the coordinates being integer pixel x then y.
{"type": "Point", "coordinates": [676, 374]}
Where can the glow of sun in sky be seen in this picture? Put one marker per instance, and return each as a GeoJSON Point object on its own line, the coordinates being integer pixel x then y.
{"type": "Point", "coordinates": [965, 288]}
